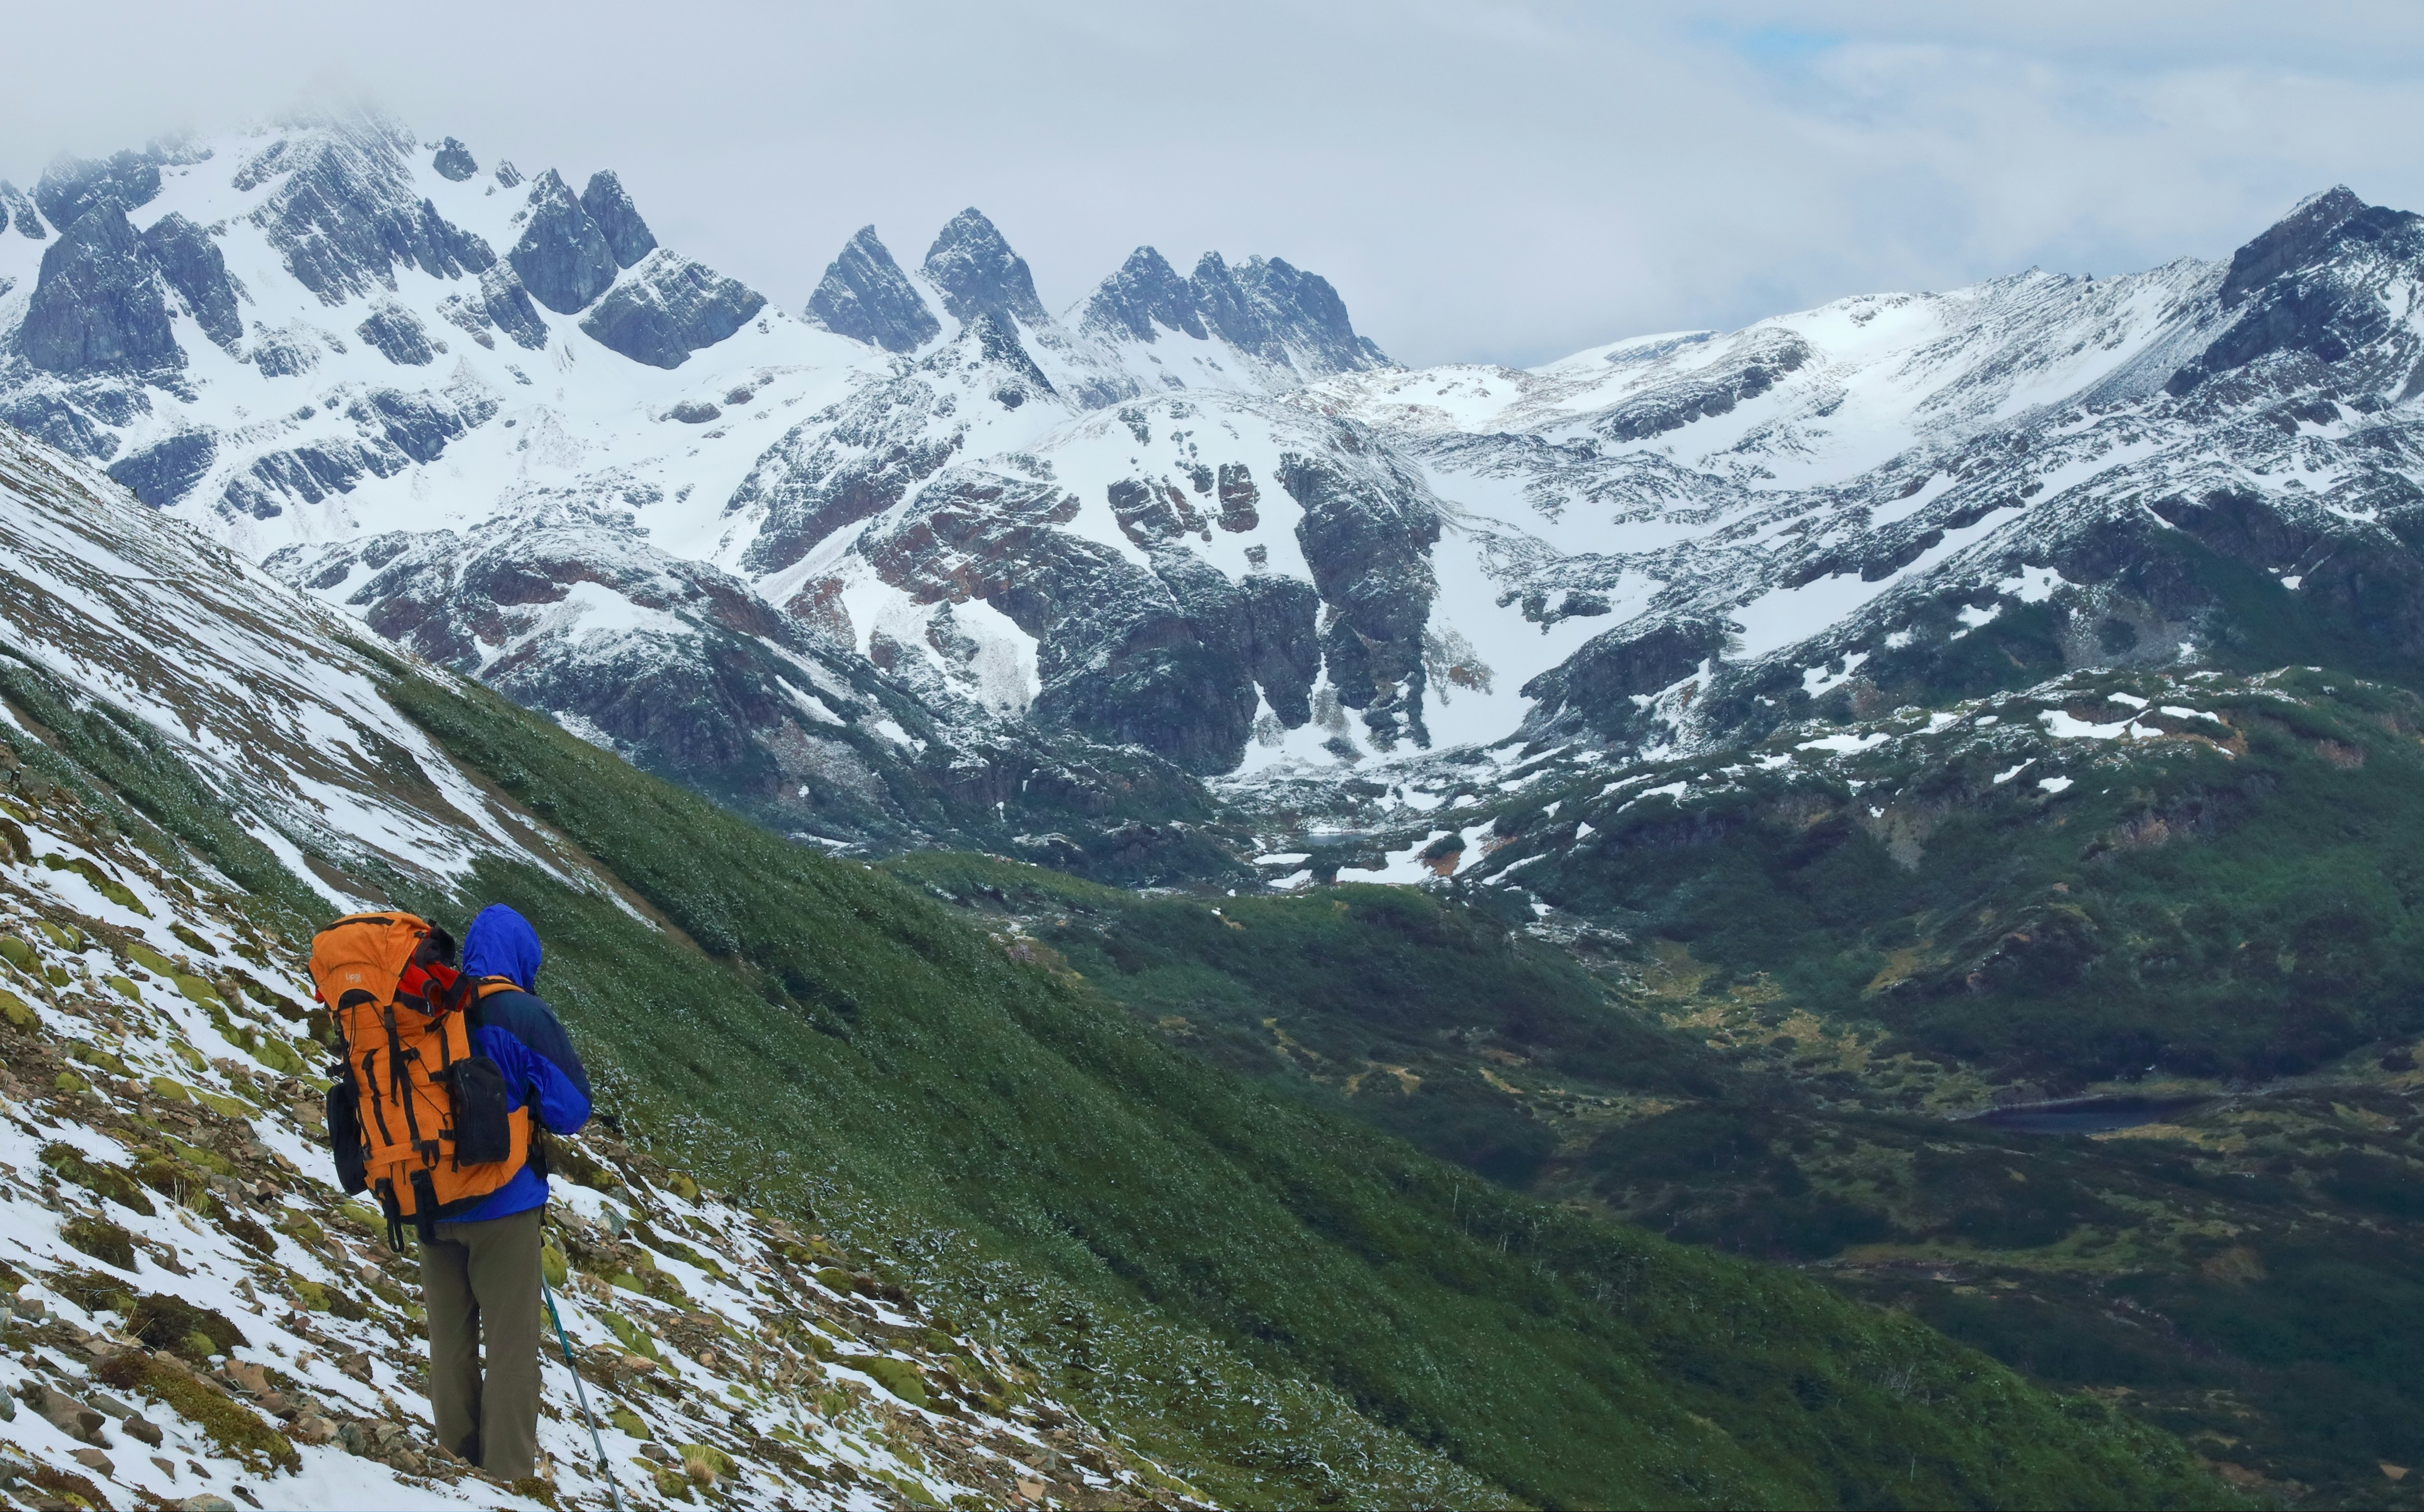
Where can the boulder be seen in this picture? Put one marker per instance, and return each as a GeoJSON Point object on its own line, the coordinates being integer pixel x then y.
{"type": "Point", "coordinates": [454, 161]}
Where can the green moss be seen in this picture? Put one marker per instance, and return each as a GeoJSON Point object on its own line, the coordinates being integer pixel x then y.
{"type": "Point", "coordinates": [898, 1377]}
{"type": "Point", "coordinates": [125, 987]}
{"type": "Point", "coordinates": [102, 1239]}
{"type": "Point", "coordinates": [103, 883]}
{"type": "Point", "coordinates": [231, 1427]}
{"type": "Point", "coordinates": [552, 1265]}
{"type": "Point", "coordinates": [150, 960]}
{"type": "Point", "coordinates": [19, 1016]}
{"type": "Point", "coordinates": [628, 1421]}
{"type": "Point", "coordinates": [166, 1322]}
{"type": "Point", "coordinates": [64, 936]}
{"type": "Point", "coordinates": [634, 1338]}
{"type": "Point", "coordinates": [18, 954]}
{"type": "Point", "coordinates": [99, 1177]}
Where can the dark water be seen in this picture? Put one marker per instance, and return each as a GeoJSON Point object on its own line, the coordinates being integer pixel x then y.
{"type": "Point", "coordinates": [2087, 1115]}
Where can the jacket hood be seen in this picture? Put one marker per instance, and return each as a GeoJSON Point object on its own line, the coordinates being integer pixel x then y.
{"type": "Point", "coordinates": [501, 943]}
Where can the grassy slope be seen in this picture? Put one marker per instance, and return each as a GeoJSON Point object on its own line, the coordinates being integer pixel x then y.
{"type": "Point", "coordinates": [2241, 1274]}
{"type": "Point", "coordinates": [1059, 1168]}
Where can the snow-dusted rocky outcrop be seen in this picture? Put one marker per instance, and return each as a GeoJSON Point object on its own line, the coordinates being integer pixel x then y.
{"type": "Point", "coordinates": [1114, 525]}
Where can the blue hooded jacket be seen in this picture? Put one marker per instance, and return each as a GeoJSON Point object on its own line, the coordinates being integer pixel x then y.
{"type": "Point", "coordinates": [521, 1034]}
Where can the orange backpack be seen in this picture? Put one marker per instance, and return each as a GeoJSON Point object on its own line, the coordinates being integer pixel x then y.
{"type": "Point", "coordinates": [415, 1116]}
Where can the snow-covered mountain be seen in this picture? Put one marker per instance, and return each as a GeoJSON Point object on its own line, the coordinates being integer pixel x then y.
{"type": "Point", "coordinates": [1195, 524]}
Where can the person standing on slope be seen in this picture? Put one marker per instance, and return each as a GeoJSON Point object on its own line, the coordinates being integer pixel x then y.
{"type": "Point", "coordinates": [480, 1276]}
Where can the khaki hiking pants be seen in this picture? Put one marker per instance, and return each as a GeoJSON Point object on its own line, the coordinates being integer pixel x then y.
{"type": "Point", "coordinates": [480, 1282]}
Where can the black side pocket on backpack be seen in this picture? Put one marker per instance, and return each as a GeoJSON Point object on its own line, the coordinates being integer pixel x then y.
{"type": "Point", "coordinates": [482, 1131]}
{"type": "Point", "coordinates": [345, 1136]}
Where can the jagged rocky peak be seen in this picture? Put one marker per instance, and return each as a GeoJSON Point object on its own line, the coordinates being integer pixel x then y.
{"type": "Point", "coordinates": [98, 307]}
{"type": "Point", "coordinates": [865, 297]}
{"type": "Point", "coordinates": [71, 186]}
{"type": "Point", "coordinates": [564, 258]}
{"type": "Point", "coordinates": [348, 210]}
{"type": "Point", "coordinates": [979, 274]}
{"type": "Point", "coordinates": [1145, 291]}
{"type": "Point", "coordinates": [454, 161]}
{"type": "Point", "coordinates": [617, 217]}
{"type": "Point", "coordinates": [17, 208]}
{"type": "Point", "coordinates": [2311, 287]}
{"type": "Point", "coordinates": [1269, 310]}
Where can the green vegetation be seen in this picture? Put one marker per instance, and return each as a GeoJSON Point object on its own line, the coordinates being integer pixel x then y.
{"type": "Point", "coordinates": [1287, 1307]}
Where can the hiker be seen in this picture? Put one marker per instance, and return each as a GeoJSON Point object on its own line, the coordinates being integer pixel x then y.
{"type": "Point", "coordinates": [480, 1276]}
{"type": "Point", "coordinates": [443, 1075]}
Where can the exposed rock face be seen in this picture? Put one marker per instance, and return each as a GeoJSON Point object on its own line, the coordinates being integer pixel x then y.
{"type": "Point", "coordinates": [454, 161]}
{"type": "Point", "coordinates": [18, 210]}
{"type": "Point", "coordinates": [191, 262]}
{"type": "Point", "coordinates": [71, 186]}
{"type": "Point", "coordinates": [865, 297]}
{"type": "Point", "coordinates": [98, 307]}
{"type": "Point", "coordinates": [1124, 655]}
{"type": "Point", "coordinates": [1366, 533]}
{"type": "Point", "coordinates": [618, 220]}
{"type": "Point", "coordinates": [683, 670]}
{"type": "Point", "coordinates": [399, 336]}
{"type": "Point", "coordinates": [668, 308]}
{"type": "Point", "coordinates": [1144, 291]}
{"type": "Point", "coordinates": [506, 303]}
{"type": "Point", "coordinates": [393, 429]}
{"type": "Point", "coordinates": [979, 274]}
{"type": "Point", "coordinates": [1270, 311]}
{"type": "Point", "coordinates": [844, 464]}
{"type": "Point", "coordinates": [2302, 290]}
{"type": "Point", "coordinates": [563, 258]}
{"type": "Point", "coordinates": [167, 470]}
{"type": "Point", "coordinates": [345, 216]}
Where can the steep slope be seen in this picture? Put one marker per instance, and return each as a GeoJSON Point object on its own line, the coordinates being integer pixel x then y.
{"type": "Point", "coordinates": [1277, 1305]}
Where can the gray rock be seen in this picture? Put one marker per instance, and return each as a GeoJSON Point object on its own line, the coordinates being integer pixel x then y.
{"type": "Point", "coordinates": [454, 161]}
{"type": "Point", "coordinates": [1145, 291]}
{"type": "Point", "coordinates": [509, 176]}
{"type": "Point", "coordinates": [996, 344]}
{"type": "Point", "coordinates": [865, 297]}
{"type": "Point", "coordinates": [1282, 648]}
{"type": "Point", "coordinates": [283, 352]}
{"type": "Point", "coordinates": [418, 424]}
{"type": "Point", "coordinates": [1366, 534]}
{"type": "Point", "coordinates": [167, 470]}
{"type": "Point", "coordinates": [190, 261]}
{"type": "Point", "coordinates": [399, 336]}
{"type": "Point", "coordinates": [508, 304]}
{"type": "Point", "coordinates": [846, 463]}
{"type": "Point", "coordinates": [563, 258]}
{"type": "Point", "coordinates": [346, 216]}
{"type": "Point", "coordinates": [98, 307]}
{"type": "Point", "coordinates": [618, 218]}
{"type": "Point", "coordinates": [668, 308]}
{"type": "Point", "coordinates": [979, 274]}
{"type": "Point", "coordinates": [71, 186]}
{"type": "Point", "coordinates": [1281, 314]}
{"type": "Point", "coordinates": [17, 208]}
{"type": "Point", "coordinates": [306, 474]}
{"type": "Point", "coordinates": [692, 412]}
{"type": "Point", "coordinates": [51, 418]}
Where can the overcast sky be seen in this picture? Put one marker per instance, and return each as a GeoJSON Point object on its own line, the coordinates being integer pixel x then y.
{"type": "Point", "coordinates": [1494, 182]}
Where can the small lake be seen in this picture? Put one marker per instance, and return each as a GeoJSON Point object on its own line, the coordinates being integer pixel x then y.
{"type": "Point", "coordinates": [2085, 1114]}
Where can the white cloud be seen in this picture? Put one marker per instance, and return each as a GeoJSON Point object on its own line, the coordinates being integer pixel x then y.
{"type": "Point", "coordinates": [1481, 180]}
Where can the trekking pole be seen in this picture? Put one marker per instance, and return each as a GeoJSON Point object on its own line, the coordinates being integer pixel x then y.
{"type": "Point", "coordinates": [613, 1492]}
